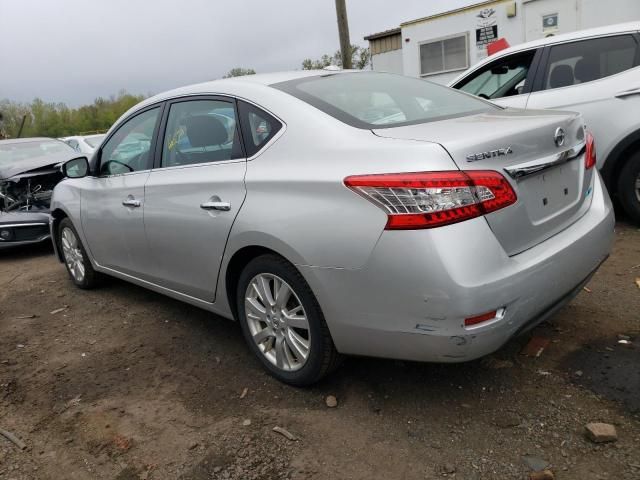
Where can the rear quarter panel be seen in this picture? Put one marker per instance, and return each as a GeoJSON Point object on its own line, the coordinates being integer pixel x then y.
{"type": "Point", "coordinates": [298, 204]}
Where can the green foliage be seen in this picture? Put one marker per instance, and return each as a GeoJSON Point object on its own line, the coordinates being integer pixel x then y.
{"type": "Point", "coordinates": [360, 59]}
{"type": "Point", "coordinates": [49, 119]}
{"type": "Point", "coordinates": [239, 72]}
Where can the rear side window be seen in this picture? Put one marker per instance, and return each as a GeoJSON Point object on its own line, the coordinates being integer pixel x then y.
{"type": "Point", "coordinates": [380, 100]}
{"type": "Point", "coordinates": [258, 127]}
{"type": "Point", "coordinates": [200, 131]}
{"type": "Point", "coordinates": [588, 60]}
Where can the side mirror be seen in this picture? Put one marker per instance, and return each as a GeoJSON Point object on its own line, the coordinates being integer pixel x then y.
{"type": "Point", "coordinates": [76, 168]}
{"type": "Point", "coordinates": [500, 70]}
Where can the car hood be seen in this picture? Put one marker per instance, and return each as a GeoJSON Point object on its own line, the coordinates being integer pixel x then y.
{"type": "Point", "coordinates": [36, 163]}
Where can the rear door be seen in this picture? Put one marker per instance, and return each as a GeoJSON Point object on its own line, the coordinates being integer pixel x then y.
{"type": "Point", "coordinates": [599, 78]}
{"type": "Point", "coordinates": [194, 193]}
{"type": "Point", "coordinates": [506, 80]}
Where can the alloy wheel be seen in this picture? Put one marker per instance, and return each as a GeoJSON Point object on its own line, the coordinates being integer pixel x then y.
{"type": "Point", "coordinates": [277, 322]}
{"type": "Point", "coordinates": [72, 254]}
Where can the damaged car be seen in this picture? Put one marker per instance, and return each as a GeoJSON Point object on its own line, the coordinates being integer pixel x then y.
{"type": "Point", "coordinates": [29, 169]}
{"type": "Point", "coordinates": [342, 213]}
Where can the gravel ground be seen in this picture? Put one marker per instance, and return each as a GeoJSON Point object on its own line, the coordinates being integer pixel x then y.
{"type": "Point", "coordinates": [124, 383]}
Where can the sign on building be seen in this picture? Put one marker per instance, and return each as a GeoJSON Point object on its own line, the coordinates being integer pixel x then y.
{"type": "Point", "coordinates": [486, 28]}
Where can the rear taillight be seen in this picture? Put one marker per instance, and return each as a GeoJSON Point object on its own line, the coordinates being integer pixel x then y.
{"type": "Point", "coordinates": [590, 154]}
{"type": "Point", "coordinates": [432, 199]}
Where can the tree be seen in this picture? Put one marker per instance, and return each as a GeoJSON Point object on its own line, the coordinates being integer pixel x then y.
{"type": "Point", "coordinates": [360, 59]}
{"type": "Point", "coordinates": [239, 72]}
{"type": "Point", "coordinates": [50, 119]}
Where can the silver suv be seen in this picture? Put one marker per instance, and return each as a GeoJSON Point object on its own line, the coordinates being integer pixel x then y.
{"type": "Point", "coordinates": [352, 213]}
{"type": "Point", "coordinates": [595, 72]}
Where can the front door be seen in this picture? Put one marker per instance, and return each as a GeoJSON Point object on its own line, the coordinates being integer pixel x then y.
{"type": "Point", "coordinates": [194, 194]}
{"type": "Point", "coordinates": [113, 202]}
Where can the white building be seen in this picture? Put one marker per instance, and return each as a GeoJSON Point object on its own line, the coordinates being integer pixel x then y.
{"type": "Point", "coordinates": [440, 46]}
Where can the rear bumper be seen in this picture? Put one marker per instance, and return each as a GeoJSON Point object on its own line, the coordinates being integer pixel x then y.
{"type": "Point", "coordinates": [24, 228]}
{"type": "Point", "coordinates": [411, 298]}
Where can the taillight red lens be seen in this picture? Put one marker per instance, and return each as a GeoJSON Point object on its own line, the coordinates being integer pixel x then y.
{"type": "Point", "coordinates": [468, 322]}
{"type": "Point", "coordinates": [433, 199]}
{"type": "Point", "coordinates": [590, 154]}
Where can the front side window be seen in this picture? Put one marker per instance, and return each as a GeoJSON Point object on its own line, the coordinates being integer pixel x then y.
{"type": "Point", "coordinates": [200, 131]}
{"type": "Point", "coordinates": [380, 100]}
{"type": "Point", "coordinates": [444, 55]}
{"type": "Point", "coordinates": [129, 148]}
{"type": "Point", "coordinates": [258, 127]}
{"type": "Point", "coordinates": [588, 60]}
{"type": "Point", "coordinates": [503, 78]}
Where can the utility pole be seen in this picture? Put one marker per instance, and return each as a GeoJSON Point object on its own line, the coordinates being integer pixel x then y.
{"type": "Point", "coordinates": [24, 117]}
{"type": "Point", "coordinates": [343, 31]}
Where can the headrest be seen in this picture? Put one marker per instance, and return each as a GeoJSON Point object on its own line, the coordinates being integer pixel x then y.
{"type": "Point", "coordinates": [587, 69]}
{"type": "Point", "coordinates": [561, 76]}
{"type": "Point", "coordinates": [205, 130]}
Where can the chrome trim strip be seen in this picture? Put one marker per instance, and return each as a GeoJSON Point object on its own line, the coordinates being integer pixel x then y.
{"type": "Point", "coordinates": [529, 168]}
{"type": "Point", "coordinates": [12, 243]}
{"type": "Point", "coordinates": [628, 93]}
{"type": "Point", "coordinates": [16, 225]}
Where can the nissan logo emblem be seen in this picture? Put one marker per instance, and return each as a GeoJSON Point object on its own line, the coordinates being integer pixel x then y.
{"type": "Point", "coordinates": [559, 136]}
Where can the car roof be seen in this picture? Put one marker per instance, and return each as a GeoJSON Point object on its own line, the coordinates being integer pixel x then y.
{"type": "Point", "coordinates": [235, 86]}
{"type": "Point", "coordinates": [228, 84]}
{"type": "Point", "coordinates": [565, 37]}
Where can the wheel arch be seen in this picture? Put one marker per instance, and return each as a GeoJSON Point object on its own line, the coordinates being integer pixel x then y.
{"type": "Point", "coordinates": [617, 158]}
{"type": "Point", "coordinates": [238, 261]}
{"type": "Point", "coordinates": [57, 215]}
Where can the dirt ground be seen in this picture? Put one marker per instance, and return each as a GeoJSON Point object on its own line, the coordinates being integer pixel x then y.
{"type": "Point", "coordinates": [127, 384]}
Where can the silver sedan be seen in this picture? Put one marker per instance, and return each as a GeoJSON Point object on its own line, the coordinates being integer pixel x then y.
{"type": "Point", "coordinates": [342, 213]}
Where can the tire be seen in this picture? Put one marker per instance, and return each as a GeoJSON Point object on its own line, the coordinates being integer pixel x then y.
{"type": "Point", "coordinates": [629, 188]}
{"type": "Point", "coordinates": [287, 325]}
{"type": "Point", "coordinates": [75, 256]}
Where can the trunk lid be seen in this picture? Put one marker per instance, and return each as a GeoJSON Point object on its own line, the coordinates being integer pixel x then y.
{"type": "Point", "coordinates": [550, 180]}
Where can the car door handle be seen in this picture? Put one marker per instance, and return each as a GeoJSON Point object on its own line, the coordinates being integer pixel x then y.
{"type": "Point", "coordinates": [628, 93]}
{"type": "Point", "coordinates": [131, 202]}
{"type": "Point", "coordinates": [216, 205]}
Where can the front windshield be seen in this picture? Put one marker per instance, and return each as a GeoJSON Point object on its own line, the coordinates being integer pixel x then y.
{"type": "Point", "coordinates": [379, 100]}
{"type": "Point", "coordinates": [16, 151]}
{"type": "Point", "coordinates": [94, 141]}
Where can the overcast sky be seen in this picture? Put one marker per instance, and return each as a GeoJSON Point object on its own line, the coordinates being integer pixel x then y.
{"type": "Point", "coordinates": [76, 50]}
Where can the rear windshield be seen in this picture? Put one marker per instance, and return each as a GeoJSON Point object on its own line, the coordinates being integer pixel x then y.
{"type": "Point", "coordinates": [382, 100]}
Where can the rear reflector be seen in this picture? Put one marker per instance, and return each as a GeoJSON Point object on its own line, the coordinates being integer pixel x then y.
{"type": "Point", "coordinates": [590, 155]}
{"type": "Point", "coordinates": [433, 199]}
{"type": "Point", "coordinates": [480, 318]}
